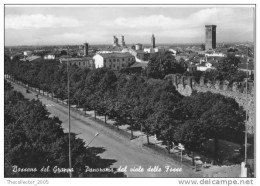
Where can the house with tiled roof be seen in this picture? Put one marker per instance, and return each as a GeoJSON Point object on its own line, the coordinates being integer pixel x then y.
{"type": "Point", "coordinates": [31, 58]}
{"type": "Point", "coordinates": [247, 67]}
{"type": "Point", "coordinates": [205, 66]}
{"type": "Point", "coordinates": [139, 54]}
{"type": "Point", "coordinates": [111, 49]}
{"type": "Point", "coordinates": [51, 55]}
{"type": "Point", "coordinates": [81, 62]}
{"type": "Point", "coordinates": [114, 61]}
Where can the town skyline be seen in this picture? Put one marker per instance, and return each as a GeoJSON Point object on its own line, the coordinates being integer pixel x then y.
{"type": "Point", "coordinates": [96, 25]}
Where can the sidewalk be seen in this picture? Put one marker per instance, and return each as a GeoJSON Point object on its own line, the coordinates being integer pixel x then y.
{"type": "Point", "coordinates": [156, 145]}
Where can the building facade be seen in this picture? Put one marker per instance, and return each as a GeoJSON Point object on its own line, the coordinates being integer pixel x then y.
{"type": "Point", "coordinates": [50, 56]}
{"type": "Point", "coordinates": [210, 37]}
{"type": "Point", "coordinates": [84, 62]}
{"type": "Point", "coordinates": [216, 55]}
{"type": "Point", "coordinates": [139, 54]}
{"type": "Point", "coordinates": [27, 53]}
{"type": "Point", "coordinates": [205, 67]}
{"type": "Point", "coordinates": [114, 61]}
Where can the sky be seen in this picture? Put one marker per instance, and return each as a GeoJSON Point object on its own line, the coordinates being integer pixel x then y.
{"type": "Point", "coordinates": [56, 25]}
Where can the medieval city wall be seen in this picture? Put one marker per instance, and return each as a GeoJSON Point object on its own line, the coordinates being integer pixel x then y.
{"type": "Point", "coordinates": [237, 90]}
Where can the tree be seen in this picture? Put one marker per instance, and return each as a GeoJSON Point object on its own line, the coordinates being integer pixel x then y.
{"type": "Point", "coordinates": [225, 115]}
{"type": "Point", "coordinates": [191, 134]}
{"type": "Point", "coordinates": [106, 88]}
{"type": "Point", "coordinates": [141, 116]}
{"type": "Point", "coordinates": [213, 75]}
{"type": "Point", "coordinates": [212, 115]}
{"type": "Point", "coordinates": [146, 56]}
{"type": "Point", "coordinates": [35, 140]}
{"type": "Point", "coordinates": [144, 110]}
{"type": "Point", "coordinates": [162, 64]}
{"type": "Point", "coordinates": [165, 119]}
{"type": "Point", "coordinates": [63, 52]}
{"type": "Point", "coordinates": [96, 84]}
{"type": "Point", "coordinates": [228, 67]}
{"type": "Point", "coordinates": [128, 98]}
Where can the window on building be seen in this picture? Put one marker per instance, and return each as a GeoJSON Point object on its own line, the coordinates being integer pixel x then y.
{"type": "Point", "coordinates": [117, 67]}
{"type": "Point", "coordinates": [104, 60]}
{"type": "Point", "coordinates": [128, 59]}
{"type": "Point", "coordinates": [123, 59]}
{"type": "Point", "coordinates": [110, 60]}
{"type": "Point", "coordinates": [79, 63]}
{"type": "Point", "coordinates": [114, 65]}
{"type": "Point", "coordinates": [114, 60]}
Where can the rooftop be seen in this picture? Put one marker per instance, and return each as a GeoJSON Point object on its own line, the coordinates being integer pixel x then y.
{"type": "Point", "coordinates": [210, 25]}
{"type": "Point", "coordinates": [140, 51]}
{"type": "Point", "coordinates": [139, 64]}
{"type": "Point", "coordinates": [116, 55]}
{"type": "Point", "coordinates": [114, 48]}
{"type": "Point", "coordinates": [244, 66]}
{"type": "Point", "coordinates": [53, 53]}
{"type": "Point", "coordinates": [30, 58]}
{"type": "Point", "coordinates": [76, 58]}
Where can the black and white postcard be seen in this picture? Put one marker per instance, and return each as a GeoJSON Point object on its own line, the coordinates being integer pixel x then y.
{"type": "Point", "coordinates": [129, 91]}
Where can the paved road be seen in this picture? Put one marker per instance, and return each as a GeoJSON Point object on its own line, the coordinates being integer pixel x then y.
{"type": "Point", "coordinates": [118, 147]}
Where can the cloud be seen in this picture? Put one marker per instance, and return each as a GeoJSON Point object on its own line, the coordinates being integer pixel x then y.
{"type": "Point", "coordinates": [197, 19]}
{"type": "Point", "coordinates": [67, 37]}
{"type": "Point", "coordinates": [191, 27]}
{"type": "Point", "coordinates": [233, 24]}
{"type": "Point", "coordinates": [72, 36]}
{"type": "Point", "coordinates": [143, 21]}
{"type": "Point", "coordinates": [36, 21]}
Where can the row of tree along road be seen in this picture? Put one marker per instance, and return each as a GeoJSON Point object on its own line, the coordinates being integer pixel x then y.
{"type": "Point", "coordinates": [151, 105]}
{"type": "Point", "coordinates": [36, 146]}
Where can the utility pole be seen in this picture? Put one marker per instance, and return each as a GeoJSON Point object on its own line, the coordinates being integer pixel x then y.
{"type": "Point", "coordinates": [69, 110]}
{"type": "Point", "coordinates": [142, 133]}
{"type": "Point", "coordinates": [246, 108]}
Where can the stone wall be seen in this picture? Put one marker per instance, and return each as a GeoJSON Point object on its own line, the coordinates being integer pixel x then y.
{"type": "Point", "coordinates": [237, 90]}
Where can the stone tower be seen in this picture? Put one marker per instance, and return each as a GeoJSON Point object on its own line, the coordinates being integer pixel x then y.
{"type": "Point", "coordinates": [85, 49]}
{"type": "Point", "coordinates": [210, 37]}
{"type": "Point", "coordinates": [153, 41]}
{"type": "Point", "coordinates": [123, 41]}
{"type": "Point", "coordinates": [115, 41]}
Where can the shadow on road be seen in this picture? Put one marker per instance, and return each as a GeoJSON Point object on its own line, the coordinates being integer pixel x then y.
{"type": "Point", "coordinates": [102, 163]}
